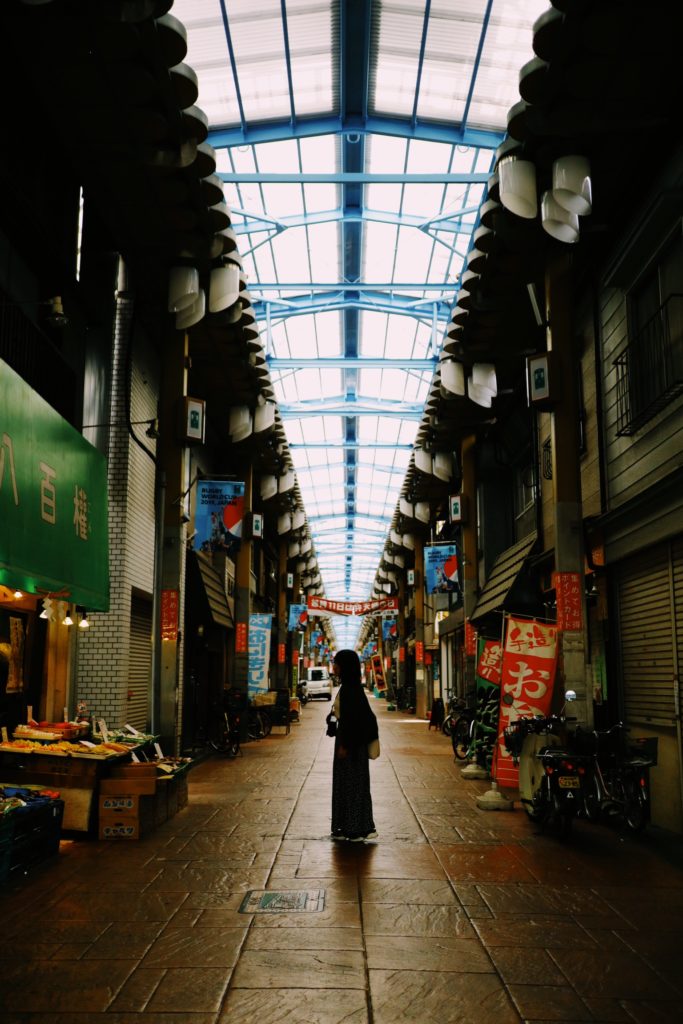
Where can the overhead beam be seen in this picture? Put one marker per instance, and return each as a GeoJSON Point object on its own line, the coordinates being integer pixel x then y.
{"type": "Point", "coordinates": [345, 362]}
{"type": "Point", "coordinates": [299, 410]}
{"type": "Point", "coordinates": [256, 223]}
{"type": "Point", "coordinates": [352, 286]}
{"type": "Point", "coordinates": [281, 309]}
{"type": "Point", "coordinates": [354, 124]}
{"type": "Point", "coordinates": [380, 445]}
{"type": "Point", "coordinates": [351, 178]}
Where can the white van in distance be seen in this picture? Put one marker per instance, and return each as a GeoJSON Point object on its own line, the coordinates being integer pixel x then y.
{"type": "Point", "coordinates": [319, 682]}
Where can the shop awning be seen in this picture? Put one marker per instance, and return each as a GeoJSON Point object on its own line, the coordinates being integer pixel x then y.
{"type": "Point", "coordinates": [209, 589]}
{"type": "Point", "coordinates": [504, 575]}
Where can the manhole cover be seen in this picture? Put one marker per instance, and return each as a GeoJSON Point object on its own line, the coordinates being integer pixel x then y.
{"type": "Point", "coordinates": [303, 901]}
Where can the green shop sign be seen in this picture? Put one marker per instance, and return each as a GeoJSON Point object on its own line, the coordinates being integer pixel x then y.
{"type": "Point", "coordinates": [53, 501]}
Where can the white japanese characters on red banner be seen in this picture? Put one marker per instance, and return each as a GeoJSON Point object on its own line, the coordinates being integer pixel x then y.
{"type": "Point", "coordinates": [569, 598]}
{"type": "Point", "coordinates": [490, 660]}
{"type": "Point", "coordinates": [528, 675]}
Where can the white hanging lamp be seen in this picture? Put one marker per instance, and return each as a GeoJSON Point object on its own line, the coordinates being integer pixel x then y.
{"type": "Point", "coordinates": [442, 466]}
{"type": "Point", "coordinates": [224, 287]}
{"type": "Point", "coordinates": [298, 518]}
{"type": "Point", "coordinates": [284, 523]}
{"type": "Point", "coordinates": [557, 221]}
{"type": "Point", "coordinates": [268, 487]}
{"type": "Point", "coordinates": [484, 376]}
{"type": "Point", "coordinates": [478, 395]}
{"type": "Point", "coordinates": [183, 288]}
{"type": "Point", "coordinates": [423, 461]}
{"type": "Point", "coordinates": [422, 512]}
{"type": "Point", "coordinates": [572, 186]}
{"type": "Point", "coordinates": [453, 377]}
{"type": "Point", "coordinates": [287, 481]}
{"type": "Point", "coordinates": [191, 315]}
{"type": "Point", "coordinates": [293, 549]}
{"type": "Point", "coordinates": [264, 417]}
{"type": "Point", "coordinates": [517, 185]}
{"type": "Point", "coordinates": [240, 424]}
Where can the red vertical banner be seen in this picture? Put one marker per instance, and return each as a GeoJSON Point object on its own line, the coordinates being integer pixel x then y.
{"type": "Point", "coordinates": [295, 656]}
{"type": "Point", "coordinates": [280, 654]}
{"type": "Point", "coordinates": [490, 661]}
{"type": "Point", "coordinates": [428, 658]}
{"type": "Point", "coordinates": [527, 678]}
{"type": "Point", "coordinates": [569, 601]}
{"type": "Point", "coordinates": [470, 639]}
{"type": "Point", "coordinates": [419, 652]}
{"type": "Point", "coordinates": [401, 655]}
{"type": "Point", "coordinates": [169, 614]}
{"type": "Point", "coordinates": [378, 673]}
{"type": "Point", "coordinates": [241, 638]}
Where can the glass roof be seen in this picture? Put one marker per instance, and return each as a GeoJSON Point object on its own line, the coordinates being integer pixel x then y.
{"type": "Point", "coordinates": [354, 155]}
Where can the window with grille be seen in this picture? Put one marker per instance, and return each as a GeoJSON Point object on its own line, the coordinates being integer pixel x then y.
{"type": "Point", "coordinates": [650, 369]}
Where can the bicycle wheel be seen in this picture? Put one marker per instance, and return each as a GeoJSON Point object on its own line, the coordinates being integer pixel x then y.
{"type": "Point", "coordinates": [635, 805]}
{"type": "Point", "coordinates": [460, 737]}
{"type": "Point", "coordinates": [447, 725]}
{"type": "Point", "coordinates": [591, 798]}
{"type": "Point", "coordinates": [266, 723]}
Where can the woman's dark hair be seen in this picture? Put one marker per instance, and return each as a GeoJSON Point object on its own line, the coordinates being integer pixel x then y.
{"type": "Point", "coordinates": [348, 666]}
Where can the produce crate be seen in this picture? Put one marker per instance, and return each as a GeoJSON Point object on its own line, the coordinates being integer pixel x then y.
{"type": "Point", "coordinates": [29, 835]}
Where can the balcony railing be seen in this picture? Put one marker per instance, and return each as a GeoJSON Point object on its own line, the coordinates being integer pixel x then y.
{"type": "Point", "coordinates": [650, 370]}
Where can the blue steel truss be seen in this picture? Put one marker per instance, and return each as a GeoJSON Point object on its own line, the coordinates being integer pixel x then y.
{"type": "Point", "coordinates": [349, 533]}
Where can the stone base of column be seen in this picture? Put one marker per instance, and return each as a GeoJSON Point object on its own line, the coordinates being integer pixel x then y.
{"type": "Point", "coordinates": [493, 800]}
{"type": "Point", "coordinates": [474, 771]}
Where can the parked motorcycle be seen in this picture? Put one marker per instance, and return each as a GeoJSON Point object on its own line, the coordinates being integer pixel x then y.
{"type": "Point", "coordinates": [302, 691]}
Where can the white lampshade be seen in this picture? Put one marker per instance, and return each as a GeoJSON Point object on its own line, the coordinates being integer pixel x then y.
{"type": "Point", "coordinates": [224, 287]}
{"type": "Point", "coordinates": [306, 546]}
{"type": "Point", "coordinates": [264, 417]}
{"type": "Point", "coordinates": [191, 315]}
{"type": "Point", "coordinates": [423, 461]}
{"type": "Point", "coordinates": [422, 511]}
{"type": "Point", "coordinates": [312, 562]}
{"type": "Point", "coordinates": [400, 561]}
{"type": "Point", "coordinates": [484, 376]}
{"type": "Point", "coordinates": [382, 575]}
{"type": "Point", "coordinates": [481, 396]}
{"type": "Point", "coordinates": [386, 587]}
{"type": "Point", "coordinates": [572, 187]}
{"type": "Point", "coordinates": [300, 566]}
{"type": "Point", "coordinates": [517, 183]}
{"type": "Point", "coordinates": [453, 377]}
{"type": "Point", "coordinates": [183, 288]}
{"type": "Point", "coordinates": [268, 487]}
{"type": "Point", "coordinates": [240, 425]}
{"type": "Point", "coordinates": [442, 466]}
{"type": "Point", "coordinates": [409, 541]}
{"type": "Point", "coordinates": [293, 548]}
{"type": "Point", "coordinates": [287, 481]}
{"type": "Point", "coordinates": [405, 508]}
{"type": "Point", "coordinates": [284, 523]}
{"type": "Point", "coordinates": [395, 538]}
{"type": "Point", "coordinates": [557, 221]}
{"type": "Point", "coordinates": [298, 519]}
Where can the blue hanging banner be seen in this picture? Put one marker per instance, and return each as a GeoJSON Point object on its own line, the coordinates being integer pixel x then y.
{"type": "Point", "coordinates": [441, 569]}
{"type": "Point", "coordinates": [388, 629]}
{"type": "Point", "coordinates": [298, 616]}
{"type": "Point", "coordinates": [218, 515]}
{"type": "Point", "coordinates": [259, 652]}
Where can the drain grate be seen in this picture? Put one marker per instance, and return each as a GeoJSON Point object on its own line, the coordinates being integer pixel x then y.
{"type": "Point", "coordinates": [301, 901]}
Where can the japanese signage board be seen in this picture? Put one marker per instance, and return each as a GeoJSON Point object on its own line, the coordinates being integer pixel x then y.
{"type": "Point", "coordinates": [298, 616]}
{"type": "Point", "coordinates": [380, 604]}
{"type": "Point", "coordinates": [259, 652]}
{"type": "Point", "coordinates": [241, 638]}
{"type": "Point", "coordinates": [490, 661]}
{"type": "Point", "coordinates": [378, 674]}
{"type": "Point", "coordinates": [470, 639]}
{"type": "Point", "coordinates": [53, 501]}
{"type": "Point", "coordinates": [192, 426]}
{"type": "Point", "coordinates": [280, 654]}
{"type": "Point", "coordinates": [389, 629]}
{"type": "Point", "coordinates": [401, 655]}
{"type": "Point", "coordinates": [441, 569]}
{"type": "Point", "coordinates": [419, 652]}
{"type": "Point", "coordinates": [569, 601]}
{"type": "Point", "coordinates": [169, 615]}
{"type": "Point", "coordinates": [455, 508]}
{"type": "Point", "coordinates": [527, 678]}
{"type": "Point", "coordinates": [218, 515]}
{"type": "Point", "coordinates": [411, 577]}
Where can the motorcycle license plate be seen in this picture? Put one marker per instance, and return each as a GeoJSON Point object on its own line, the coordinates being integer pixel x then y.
{"type": "Point", "coordinates": [569, 782]}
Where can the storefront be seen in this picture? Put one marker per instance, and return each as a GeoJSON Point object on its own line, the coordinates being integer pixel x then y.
{"type": "Point", "coordinates": [53, 552]}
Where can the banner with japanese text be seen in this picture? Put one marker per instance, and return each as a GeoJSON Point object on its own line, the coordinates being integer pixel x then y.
{"type": "Point", "coordinates": [441, 569]}
{"type": "Point", "coordinates": [380, 682]}
{"type": "Point", "coordinates": [298, 616]}
{"type": "Point", "coordinates": [54, 526]}
{"type": "Point", "coordinates": [379, 604]}
{"type": "Point", "coordinates": [259, 652]}
{"type": "Point", "coordinates": [218, 515]}
{"type": "Point", "coordinates": [527, 679]}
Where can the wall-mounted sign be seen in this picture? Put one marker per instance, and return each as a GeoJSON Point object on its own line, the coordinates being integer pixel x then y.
{"type": "Point", "coordinates": [169, 615]}
{"type": "Point", "coordinates": [456, 505]}
{"type": "Point", "coordinates": [256, 525]}
{"type": "Point", "coordinates": [380, 604]}
{"type": "Point", "coordinates": [259, 652]}
{"type": "Point", "coordinates": [290, 580]}
{"type": "Point", "coordinates": [541, 380]}
{"type": "Point", "coordinates": [241, 638]}
{"type": "Point", "coordinates": [54, 525]}
{"type": "Point", "coordinates": [569, 601]}
{"type": "Point", "coordinates": [219, 514]}
{"type": "Point", "coordinates": [441, 569]}
{"type": "Point", "coordinates": [411, 577]}
{"type": "Point", "coordinates": [192, 421]}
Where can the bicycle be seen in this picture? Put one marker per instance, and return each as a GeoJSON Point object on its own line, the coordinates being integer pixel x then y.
{"type": "Point", "coordinates": [456, 706]}
{"type": "Point", "coordinates": [227, 740]}
{"type": "Point", "coordinates": [259, 723]}
{"type": "Point", "coordinates": [474, 733]}
{"type": "Point", "coordinates": [618, 783]}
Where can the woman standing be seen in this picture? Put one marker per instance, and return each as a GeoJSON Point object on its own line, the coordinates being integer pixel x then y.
{"type": "Point", "coordinates": [351, 800]}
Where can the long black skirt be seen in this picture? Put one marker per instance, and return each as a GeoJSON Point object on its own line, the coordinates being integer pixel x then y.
{"type": "Point", "coordinates": [351, 799]}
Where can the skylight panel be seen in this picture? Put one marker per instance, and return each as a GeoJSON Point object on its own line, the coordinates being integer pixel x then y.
{"type": "Point", "coordinates": [378, 257]}
{"type": "Point", "coordinates": [398, 30]}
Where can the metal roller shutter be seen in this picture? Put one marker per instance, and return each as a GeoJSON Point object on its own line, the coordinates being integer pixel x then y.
{"type": "Point", "coordinates": [140, 667]}
{"type": "Point", "coordinates": [648, 636]}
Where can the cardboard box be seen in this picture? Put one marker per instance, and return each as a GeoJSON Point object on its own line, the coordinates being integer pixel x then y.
{"type": "Point", "coordinates": [124, 805]}
{"type": "Point", "coordinates": [139, 786]}
{"type": "Point", "coordinates": [113, 826]}
{"type": "Point", "coordinates": [134, 770]}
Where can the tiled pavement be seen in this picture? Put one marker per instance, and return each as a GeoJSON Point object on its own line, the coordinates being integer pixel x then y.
{"type": "Point", "coordinates": [454, 914]}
